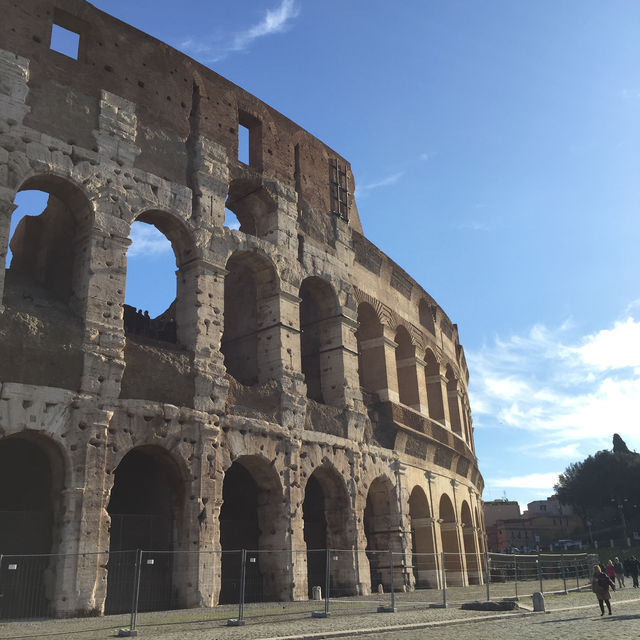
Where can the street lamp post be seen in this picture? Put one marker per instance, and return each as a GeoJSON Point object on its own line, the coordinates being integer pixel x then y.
{"type": "Point", "coordinates": [620, 503]}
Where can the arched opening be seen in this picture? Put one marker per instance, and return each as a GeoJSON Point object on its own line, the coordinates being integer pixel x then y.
{"type": "Point", "coordinates": [252, 517]}
{"type": "Point", "coordinates": [328, 525]}
{"type": "Point", "coordinates": [406, 368]}
{"type": "Point", "coordinates": [469, 541]}
{"type": "Point", "coordinates": [31, 482]}
{"type": "Point", "coordinates": [370, 340]}
{"type": "Point", "coordinates": [231, 220]}
{"type": "Point", "coordinates": [146, 511]}
{"type": "Point", "coordinates": [319, 336]}
{"type": "Point", "coordinates": [250, 312]}
{"type": "Point", "coordinates": [158, 311]}
{"type": "Point", "coordinates": [382, 530]}
{"type": "Point", "coordinates": [45, 286]}
{"type": "Point", "coordinates": [426, 314]}
{"type": "Point", "coordinates": [252, 206]}
{"type": "Point", "coordinates": [434, 387]}
{"type": "Point", "coordinates": [454, 401]}
{"type": "Point", "coordinates": [450, 542]}
{"type": "Point", "coordinates": [424, 559]}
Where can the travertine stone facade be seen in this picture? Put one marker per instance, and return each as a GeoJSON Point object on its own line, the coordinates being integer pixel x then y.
{"type": "Point", "coordinates": [308, 393]}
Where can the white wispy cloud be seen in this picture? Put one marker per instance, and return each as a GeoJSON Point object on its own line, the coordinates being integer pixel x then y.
{"type": "Point", "coordinates": [570, 393]}
{"type": "Point", "coordinates": [146, 240]}
{"type": "Point", "coordinates": [364, 189]}
{"type": "Point", "coordinates": [529, 481]}
{"type": "Point", "coordinates": [214, 49]}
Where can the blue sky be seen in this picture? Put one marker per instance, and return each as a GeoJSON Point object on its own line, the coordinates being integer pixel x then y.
{"type": "Point", "coordinates": [496, 150]}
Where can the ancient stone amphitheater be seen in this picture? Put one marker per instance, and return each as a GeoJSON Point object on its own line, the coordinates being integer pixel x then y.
{"type": "Point", "coordinates": [302, 392]}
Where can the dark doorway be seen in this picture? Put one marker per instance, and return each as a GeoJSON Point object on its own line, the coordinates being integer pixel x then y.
{"type": "Point", "coordinates": [239, 530]}
{"type": "Point", "coordinates": [315, 534]}
{"type": "Point", "coordinates": [144, 503]}
{"type": "Point", "coordinates": [27, 487]}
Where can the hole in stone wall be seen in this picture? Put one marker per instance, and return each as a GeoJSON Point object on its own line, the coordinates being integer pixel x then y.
{"type": "Point", "coordinates": [151, 284]}
{"type": "Point", "coordinates": [65, 41]}
{"type": "Point", "coordinates": [243, 144]}
{"type": "Point", "coordinates": [231, 219]}
{"type": "Point", "coordinates": [29, 203]}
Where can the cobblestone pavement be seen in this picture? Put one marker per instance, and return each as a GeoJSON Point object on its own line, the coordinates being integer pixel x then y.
{"type": "Point", "coordinates": [574, 616]}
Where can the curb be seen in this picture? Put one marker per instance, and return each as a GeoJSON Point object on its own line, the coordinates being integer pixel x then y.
{"type": "Point", "coordinates": [321, 635]}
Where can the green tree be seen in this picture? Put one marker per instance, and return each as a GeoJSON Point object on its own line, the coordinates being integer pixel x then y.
{"type": "Point", "coordinates": [595, 486]}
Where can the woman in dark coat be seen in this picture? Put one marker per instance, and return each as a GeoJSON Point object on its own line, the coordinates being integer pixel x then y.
{"type": "Point", "coordinates": [600, 584]}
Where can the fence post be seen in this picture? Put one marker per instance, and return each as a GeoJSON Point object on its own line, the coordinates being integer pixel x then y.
{"type": "Point", "coordinates": [131, 632]}
{"type": "Point", "coordinates": [327, 582]}
{"type": "Point", "coordinates": [564, 573]}
{"type": "Point", "coordinates": [239, 621]}
{"type": "Point", "coordinates": [539, 561]}
{"type": "Point", "coordinates": [488, 574]}
{"type": "Point", "coordinates": [577, 575]}
{"type": "Point", "coordinates": [444, 583]}
{"type": "Point", "coordinates": [515, 574]}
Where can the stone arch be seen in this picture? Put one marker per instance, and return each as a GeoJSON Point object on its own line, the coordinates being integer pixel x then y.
{"type": "Point", "coordinates": [469, 542]}
{"type": "Point", "coordinates": [328, 524]}
{"type": "Point", "coordinates": [406, 368]}
{"type": "Point", "coordinates": [172, 329]}
{"type": "Point", "coordinates": [253, 517]}
{"type": "Point", "coordinates": [425, 313]}
{"type": "Point", "coordinates": [371, 358]}
{"type": "Point", "coordinates": [450, 541]}
{"type": "Point", "coordinates": [47, 279]}
{"type": "Point", "coordinates": [43, 246]}
{"type": "Point", "coordinates": [253, 206]}
{"type": "Point", "coordinates": [319, 333]}
{"type": "Point", "coordinates": [382, 529]}
{"type": "Point", "coordinates": [251, 311]}
{"type": "Point", "coordinates": [32, 479]}
{"type": "Point", "coordinates": [435, 399]}
{"type": "Point", "coordinates": [147, 511]}
{"type": "Point", "coordinates": [423, 548]}
{"type": "Point", "coordinates": [453, 399]}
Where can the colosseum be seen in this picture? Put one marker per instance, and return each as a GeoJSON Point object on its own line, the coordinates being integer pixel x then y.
{"type": "Point", "coordinates": [302, 392]}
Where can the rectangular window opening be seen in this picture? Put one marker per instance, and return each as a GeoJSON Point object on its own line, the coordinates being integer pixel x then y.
{"type": "Point", "coordinates": [65, 41]}
{"type": "Point", "coordinates": [249, 140]}
{"type": "Point", "coordinates": [243, 144]}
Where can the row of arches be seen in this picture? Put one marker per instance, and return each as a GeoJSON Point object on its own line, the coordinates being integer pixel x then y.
{"type": "Point", "coordinates": [46, 250]}
{"type": "Point", "coordinates": [146, 508]}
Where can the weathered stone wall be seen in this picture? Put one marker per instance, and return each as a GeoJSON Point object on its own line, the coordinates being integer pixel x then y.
{"type": "Point", "coordinates": [134, 130]}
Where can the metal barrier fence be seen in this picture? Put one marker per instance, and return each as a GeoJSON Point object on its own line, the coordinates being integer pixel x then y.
{"type": "Point", "coordinates": [234, 586]}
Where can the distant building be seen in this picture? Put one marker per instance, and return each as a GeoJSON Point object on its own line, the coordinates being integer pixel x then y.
{"type": "Point", "coordinates": [541, 526]}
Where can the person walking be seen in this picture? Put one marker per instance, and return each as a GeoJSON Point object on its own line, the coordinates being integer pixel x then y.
{"type": "Point", "coordinates": [634, 569]}
{"type": "Point", "coordinates": [619, 569]}
{"type": "Point", "coordinates": [600, 583]}
{"type": "Point", "coordinates": [611, 573]}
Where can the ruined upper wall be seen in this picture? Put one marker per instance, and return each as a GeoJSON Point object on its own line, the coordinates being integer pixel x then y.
{"type": "Point", "coordinates": [176, 99]}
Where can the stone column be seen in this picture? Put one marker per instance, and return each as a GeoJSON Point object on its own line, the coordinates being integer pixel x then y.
{"type": "Point", "coordinates": [99, 285]}
{"type": "Point", "coordinates": [81, 573]}
{"type": "Point", "coordinates": [454, 398]}
{"type": "Point", "coordinates": [437, 392]}
{"type": "Point", "coordinates": [278, 336]}
{"type": "Point", "coordinates": [294, 495]}
{"type": "Point", "coordinates": [199, 322]}
{"type": "Point", "coordinates": [7, 207]}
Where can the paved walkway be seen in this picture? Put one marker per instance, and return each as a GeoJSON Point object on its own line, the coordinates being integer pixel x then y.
{"type": "Point", "coordinates": [572, 616]}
